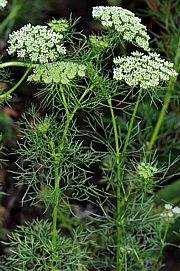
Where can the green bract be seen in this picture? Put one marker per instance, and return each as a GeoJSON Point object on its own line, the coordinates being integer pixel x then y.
{"type": "Point", "coordinates": [37, 43]}
{"type": "Point", "coordinates": [144, 70]}
{"type": "Point", "coordinates": [3, 3]}
{"type": "Point", "coordinates": [125, 23]}
{"type": "Point", "coordinates": [59, 72]}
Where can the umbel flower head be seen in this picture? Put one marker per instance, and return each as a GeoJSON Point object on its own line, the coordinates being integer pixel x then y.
{"type": "Point", "coordinates": [125, 23]}
{"type": "Point", "coordinates": [170, 212]}
{"type": "Point", "coordinates": [58, 72]}
{"type": "Point", "coordinates": [3, 3]}
{"type": "Point", "coordinates": [37, 43]}
{"type": "Point", "coordinates": [146, 170]}
{"type": "Point", "coordinates": [142, 70]}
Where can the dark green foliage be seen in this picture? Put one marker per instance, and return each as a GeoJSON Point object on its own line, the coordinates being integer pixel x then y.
{"type": "Point", "coordinates": [33, 250]}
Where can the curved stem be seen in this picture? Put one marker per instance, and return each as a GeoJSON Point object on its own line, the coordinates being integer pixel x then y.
{"type": "Point", "coordinates": [16, 85]}
{"type": "Point", "coordinates": [15, 64]}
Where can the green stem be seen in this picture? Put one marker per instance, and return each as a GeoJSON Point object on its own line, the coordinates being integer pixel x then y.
{"type": "Point", "coordinates": [15, 64]}
{"type": "Point", "coordinates": [170, 88]}
{"type": "Point", "coordinates": [118, 189]}
{"type": "Point", "coordinates": [64, 100]}
{"type": "Point", "coordinates": [58, 157]}
{"type": "Point", "coordinates": [162, 114]}
{"type": "Point", "coordinates": [161, 249]}
{"type": "Point", "coordinates": [119, 158]}
{"type": "Point", "coordinates": [16, 85]}
{"type": "Point", "coordinates": [131, 124]}
{"type": "Point", "coordinates": [56, 202]}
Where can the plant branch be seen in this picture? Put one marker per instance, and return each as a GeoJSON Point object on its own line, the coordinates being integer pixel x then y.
{"type": "Point", "coordinates": [119, 158]}
{"type": "Point", "coordinates": [163, 242]}
{"type": "Point", "coordinates": [15, 64]}
{"type": "Point", "coordinates": [57, 157]}
{"type": "Point", "coordinates": [16, 85]}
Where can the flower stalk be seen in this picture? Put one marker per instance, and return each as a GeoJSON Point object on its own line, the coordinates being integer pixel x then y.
{"type": "Point", "coordinates": [119, 159]}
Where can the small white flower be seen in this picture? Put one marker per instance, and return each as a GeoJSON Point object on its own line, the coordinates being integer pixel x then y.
{"type": "Point", "coordinates": [176, 210]}
{"type": "Point", "coordinates": [3, 3]}
{"type": "Point", "coordinates": [168, 206]}
{"type": "Point", "coordinates": [169, 214]}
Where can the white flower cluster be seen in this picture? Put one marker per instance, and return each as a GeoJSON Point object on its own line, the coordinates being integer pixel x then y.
{"type": "Point", "coordinates": [3, 3]}
{"type": "Point", "coordinates": [147, 71]}
{"type": "Point", "coordinates": [146, 170]}
{"type": "Point", "coordinates": [124, 22]}
{"type": "Point", "coordinates": [170, 212]}
{"type": "Point", "coordinates": [37, 43]}
{"type": "Point", "coordinates": [57, 72]}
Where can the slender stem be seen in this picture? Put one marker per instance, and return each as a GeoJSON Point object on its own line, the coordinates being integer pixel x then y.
{"type": "Point", "coordinates": [16, 85]}
{"type": "Point", "coordinates": [166, 102]}
{"type": "Point", "coordinates": [131, 124]}
{"type": "Point", "coordinates": [161, 249]}
{"type": "Point", "coordinates": [58, 157]}
{"type": "Point", "coordinates": [56, 201]}
{"type": "Point", "coordinates": [119, 158]}
{"type": "Point", "coordinates": [64, 100]}
{"type": "Point", "coordinates": [162, 114]}
{"type": "Point", "coordinates": [15, 64]}
{"type": "Point", "coordinates": [118, 189]}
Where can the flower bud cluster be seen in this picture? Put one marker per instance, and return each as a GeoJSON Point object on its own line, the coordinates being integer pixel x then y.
{"type": "Point", "coordinates": [58, 72]}
{"type": "Point", "coordinates": [146, 170]}
{"type": "Point", "coordinates": [147, 71]}
{"type": "Point", "coordinates": [43, 126]}
{"type": "Point", "coordinates": [5, 98]}
{"type": "Point", "coordinates": [170, 212]}
{"type": "Point", "coordinates": [125, 23]}
{"type": "Point", "coordinates": [37, 43]}
{"type": "Point", "coordinates": [3, 3]}
{"type": "Point", "coordinates": [99, 43]}
{"type": "Point", "coordinates": [60, 25]}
